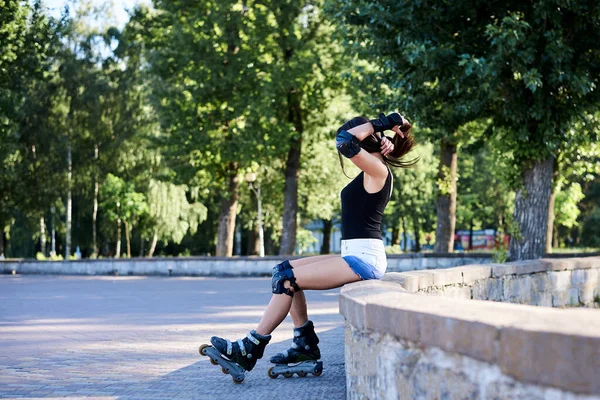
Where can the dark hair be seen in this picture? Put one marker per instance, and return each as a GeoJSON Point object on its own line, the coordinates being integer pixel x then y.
{"type": "Point", "coordinates": [402, 145]}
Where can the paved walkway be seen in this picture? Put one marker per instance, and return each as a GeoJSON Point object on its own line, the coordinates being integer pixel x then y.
{"type": "Point", "coordinates": [138, 338]}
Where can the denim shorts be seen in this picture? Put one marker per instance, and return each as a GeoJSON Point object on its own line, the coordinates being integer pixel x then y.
{"type": "Point", "coordinates": [366, 257]}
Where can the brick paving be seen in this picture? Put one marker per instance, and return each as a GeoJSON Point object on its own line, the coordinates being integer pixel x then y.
{"type": "Point", "coordinates": [138, 338]}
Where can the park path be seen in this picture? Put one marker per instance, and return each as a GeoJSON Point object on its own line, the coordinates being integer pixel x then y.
{"type": "Point", "coordinates": [138, 338]}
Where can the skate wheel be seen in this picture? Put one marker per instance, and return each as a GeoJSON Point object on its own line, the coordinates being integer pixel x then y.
{"type": "Point", "coordinates": [223, 370]}
{"type": "Point", "coordinates": [317, 373]}
{"type": "Point", "coordinates": [237, 381]}
{"type": "Point", "coordinates": [301, 374]}
{"type": "Point", "coordinates": [271, 374]}
{"type": "Point", "coordinates": [201, 350]}
{"type": "Point", "coordinates": [288, 374]}
{"type": "Point", "coordinates": [213, 362]}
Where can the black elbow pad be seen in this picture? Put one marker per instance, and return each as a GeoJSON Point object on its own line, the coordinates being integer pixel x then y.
{"type": "Point", "coordinates": [347, 144]}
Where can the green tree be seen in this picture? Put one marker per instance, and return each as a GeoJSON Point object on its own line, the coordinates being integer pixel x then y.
{"type": "Point", "coordinates": [307, 62]}
{"type": "Point", "coordinates": [541, 66]}
{"type": "Point", "coordinates": [122, 204]}
{"type": "Point", "coordinates": [536, 62]}
{"type": "Point", "coordinates": [566, 208]}
{"type": "Point", "coordinates": [577, 163]}
{"type": "Point", "coordinates": [320, 177]}
{"type": "Point", "coordinates": [28, 104]}
{"type": "Point", "coordinates": [170, 215]}
{"type": "Point", "coordinates": [413, 197]}
{"type": "Point", "coordinates": [211, 63]}
{"type": "Point", "coordinates": [485, 199]}
{"type": "Point", "coordinates": [418, 74]}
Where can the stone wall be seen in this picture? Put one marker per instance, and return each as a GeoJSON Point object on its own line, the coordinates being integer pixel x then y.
{"type": "Point", "coordinates": [218, 266]}
{"type": "Point", "coordinates": [428, 334]}
{"type": "Point", "coordinates": [548, 282]}
{"type": "Point", "coordinates": [213, 266]}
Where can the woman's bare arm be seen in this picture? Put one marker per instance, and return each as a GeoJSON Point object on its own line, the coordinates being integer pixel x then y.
{"type": "Point", "coordinates": [368, 163]}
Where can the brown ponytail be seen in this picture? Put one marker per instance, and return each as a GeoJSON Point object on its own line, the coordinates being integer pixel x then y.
{"type": "Point", "coordinates": [402, 146]}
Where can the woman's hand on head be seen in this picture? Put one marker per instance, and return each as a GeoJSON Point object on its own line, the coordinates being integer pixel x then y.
{"type": "Point", "coordinates": [397, 130]}
{"type": "Point", "coordinates": [386, 146]}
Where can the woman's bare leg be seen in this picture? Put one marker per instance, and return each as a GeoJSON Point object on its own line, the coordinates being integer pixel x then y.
{"type": "Point", "coordinates": [298, 311]}
{"type": "Point", "coordinates": [312, 259]}
{"type": "Point", "coordinates": [325, 274]}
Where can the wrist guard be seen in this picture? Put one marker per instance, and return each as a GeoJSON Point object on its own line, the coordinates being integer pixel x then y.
{"type": "Point", "coordinates": [384, 123]}
{"type": "Point", "coordinates": [347, 144]}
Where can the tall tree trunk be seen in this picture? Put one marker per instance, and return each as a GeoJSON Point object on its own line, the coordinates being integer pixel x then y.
{"type": "Point", "coordinates": [141, 246]}
{"type": "Point", "coordinates": [229, 204]}
{"type": "Point", "coordinates": [118, 251]}
{"type": "Point", "coordinates": [446, 202]}
{"type": "Point", "coordinates": [471, 234]}
{"type": "Point", "coordinates": [127, 239]}
{"type": "Point", "coordinates": [531, 211]}
{"type": "Point", "coordinates": [95, 211]}
{"type": "Point", "coordinates": [69, 201]}
{"type": "Point", "coordinates": [404, 235]}
{"type": "Point", "coordinates": [396, 235]}
{"type": "Point", "coordinates": [292, 169]}
{"type": "Point", "coordinates": [550, 227]}
{"type": "Point", "coordinates": [53, 234]}
{"type": "Point", "coordinates": [416, 227]}
{"type": "Point", "coordinates": [253, 247]}
{"type": "Point", "coordinates": [555, 230]}
{"type": "Point", "coordinates": [1, 241]}
{"type": "Point", "coordinates": [327, 228]}
{"type": "Point", "coordinates": [153, 244]}
{"type": "Point", "coordinates": [42, 236]}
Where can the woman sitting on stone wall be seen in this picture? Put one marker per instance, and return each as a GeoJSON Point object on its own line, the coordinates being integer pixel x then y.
{"type": "Point", "coordinates": [363, 253]}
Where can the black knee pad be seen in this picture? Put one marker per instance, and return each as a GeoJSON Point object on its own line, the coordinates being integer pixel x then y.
{"type": "Point", "coordinates": [283, 272]}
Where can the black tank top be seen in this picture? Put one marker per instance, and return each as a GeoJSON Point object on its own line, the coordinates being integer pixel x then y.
{"type": "Point", "coordinates": [362, 211]}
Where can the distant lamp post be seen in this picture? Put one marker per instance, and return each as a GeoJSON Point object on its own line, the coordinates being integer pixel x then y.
{"type": "Point", "coordinates": [251, 178]}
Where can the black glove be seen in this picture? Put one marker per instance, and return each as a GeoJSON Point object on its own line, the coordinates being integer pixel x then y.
{"type": "Point", "coordinates": [384, 123]}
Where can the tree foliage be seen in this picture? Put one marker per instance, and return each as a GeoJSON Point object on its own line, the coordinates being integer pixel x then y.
{"type": "Point", "coordinates": [156, 123]}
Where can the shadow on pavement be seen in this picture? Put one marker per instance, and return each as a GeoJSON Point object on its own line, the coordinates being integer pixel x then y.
{"type": "Point", "coordinates": [202, 380]}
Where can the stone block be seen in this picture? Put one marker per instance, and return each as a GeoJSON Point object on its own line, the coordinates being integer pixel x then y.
{"type": "Point", "coordinates": [445, 277]}
{"type": "Point", "coordinates": [107, 267]}
{"type": "Point", "coordinates": [586, 295]}
{"type": "Point", "coordinates": [435, 380]}
{"type": "Point", "coordinates": [457, 292]}
{"type": "Point", "coordinates": [471, 337]}
{"type": "Point", "coordinates": [541, 282]}
{"type": "Point", "coordinates": [558, 264]}
{"type": "Point", "coordinates": [434, 291]}
{"type": "Point", "coordinates": [518, 268]}
{"type": "Point", "coordinates": [573, 297]}
{"type": "Point", "coordinates": [355, 297]}
{"type": "Point", "coordinates": [479, 290]}
{"type": "Point", "coordinates": [579, 277]}
{"type": "Point", "coordinates": [541, 299]}
{"type": "Point", "coordinates": [585, 262]}
{"type": "Point", "coordinates": [518, 289]}
{"type": "Point", "coordinates": [397, 362]}
{"type": "Point", "coordinates": [495, 288]}
{"type": "Point", "coordinates": [545, 356]}
{"type": "Point", "coordinates": [384, 316]}
{"type": "Point", "coordinates": [433, 263]}
{"type": "Point", "coordinates": [490, 289]}
{"type": "Point", "coordinates": [407, 281]}
{"type": "Point", "coordinates": [560, 299]}
{"type": "Point", "coordinates": [509, 389]}
{"type": "Point", "coordinates": [474, 273]}
{"type": "Point", "coordinates": [560, 281]}
{"type": "Point", "coordinates": [425, 278]}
